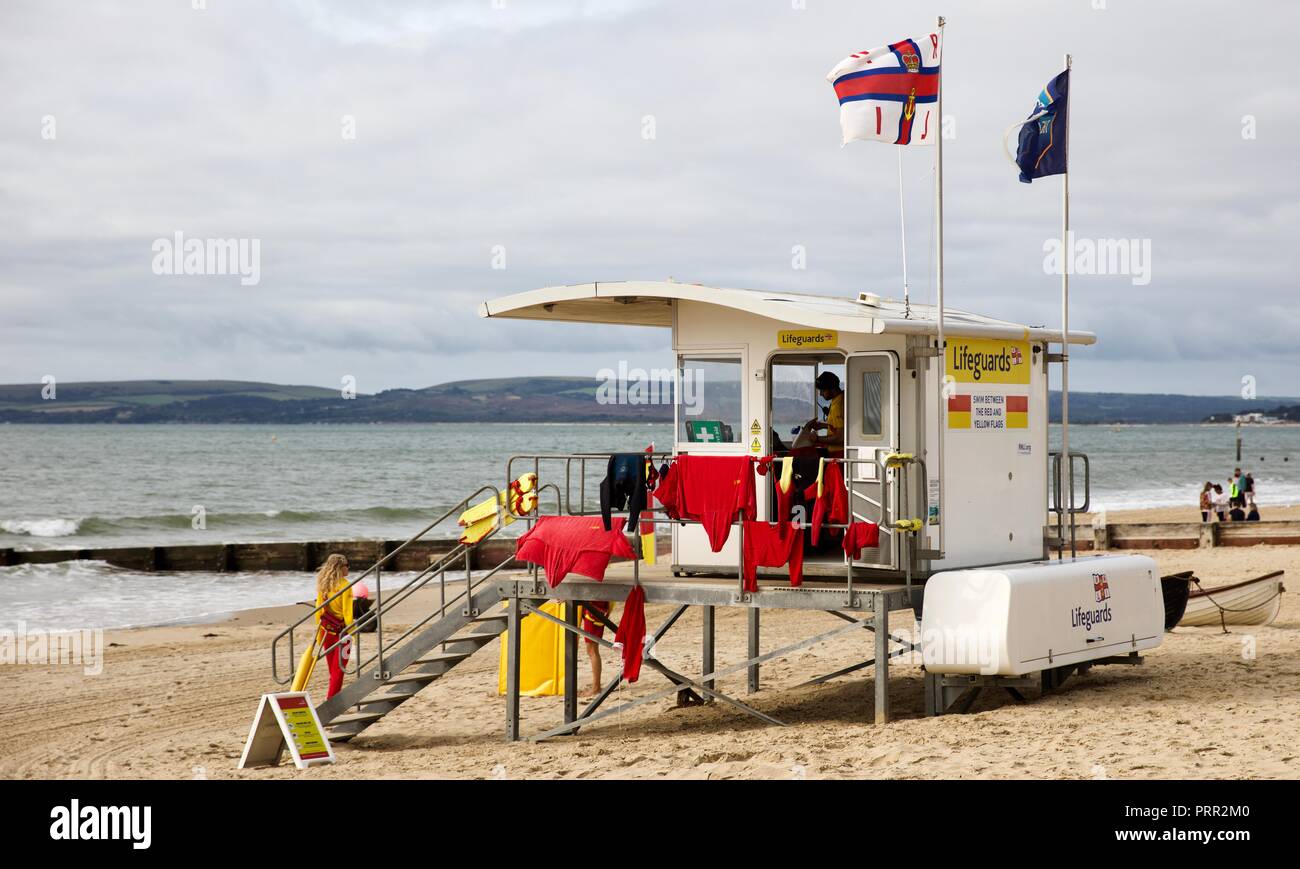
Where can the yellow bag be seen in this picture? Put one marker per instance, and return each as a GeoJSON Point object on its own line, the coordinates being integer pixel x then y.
{"type": "Point", "coordinates": [541, 654]}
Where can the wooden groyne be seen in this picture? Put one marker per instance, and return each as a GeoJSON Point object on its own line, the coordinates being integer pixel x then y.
{"type": "Point", "coordinates": [362, 554]}
{"type": "Point", "coordinates": [1185, 535]}
{"type": "Point", "coordinates": [240, 557]}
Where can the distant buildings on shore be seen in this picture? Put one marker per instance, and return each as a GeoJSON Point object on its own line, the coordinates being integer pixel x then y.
{"type": "Point", "coordinates": [1256, 419]}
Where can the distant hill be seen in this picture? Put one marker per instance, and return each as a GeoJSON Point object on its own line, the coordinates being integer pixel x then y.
{"type": "Point", "coordinates": [142, 400]}
{"type": "Point", "coordinates": [519, 399]}
{"type": "Point", "coordinates": [513, 399]}
{"type": "Point", "coordinates": [1137, 408]}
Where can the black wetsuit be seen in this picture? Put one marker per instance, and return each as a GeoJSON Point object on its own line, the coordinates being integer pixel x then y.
{"type": "Point", "coordinates": [624, 487]}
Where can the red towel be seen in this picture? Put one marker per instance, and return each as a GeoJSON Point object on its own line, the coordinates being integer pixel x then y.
{"type": "Point", "coordinates": [573, 544]}
{"type": "Point", "coordinates": [631, 633]}
{"type": "Point", "coordinates": [861, 535]}
{"type": "Point", "coordinates": [833, 505]}
{"type": "Point", "coordinates": [711, 490]}
{"type": "Point", "coordinates": [772, 546]}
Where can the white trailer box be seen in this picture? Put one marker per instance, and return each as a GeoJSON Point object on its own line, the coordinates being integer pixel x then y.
{"type": "Point", "coordinates": [1009, 620]}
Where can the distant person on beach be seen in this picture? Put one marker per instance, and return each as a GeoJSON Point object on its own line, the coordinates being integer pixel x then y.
{"type": "Point", "coordinates": [1248, 486]}
{"type": "Point", "coordinates": [334, 617]}
{"type": "Point", "coordinates": [1207, 501]}
{"type": "Point", "coordinates": [1235, 496]}
{"type": "Point", "coordinates": [1220, 501]}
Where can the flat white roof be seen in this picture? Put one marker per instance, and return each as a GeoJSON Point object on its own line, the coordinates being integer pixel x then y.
{"type": "Point", "coordinates": [649, 303]}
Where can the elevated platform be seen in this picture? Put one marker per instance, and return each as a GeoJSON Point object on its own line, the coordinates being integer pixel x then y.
{"type": "Point", "coordinates": [774, 591]}
{"type": "Point", "coordinates": [861, 605]}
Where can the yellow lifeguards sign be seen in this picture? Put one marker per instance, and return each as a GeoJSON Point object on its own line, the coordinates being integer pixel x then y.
{"type": "Point", "coordinates": [807, 339]}
{"type": "Point", "coordinates": [985, 360]}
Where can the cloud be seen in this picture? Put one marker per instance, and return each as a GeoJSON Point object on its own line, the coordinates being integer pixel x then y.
{"type": "Point", "coordinates": [518, 131]}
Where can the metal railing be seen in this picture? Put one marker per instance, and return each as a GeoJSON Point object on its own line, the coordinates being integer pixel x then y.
{"type": "Point", "coordinates": [435, 570]}
{"type": "Point", "coordinates": [1057, 470]}
{"type": "Point", "coordinates": [893, 479]}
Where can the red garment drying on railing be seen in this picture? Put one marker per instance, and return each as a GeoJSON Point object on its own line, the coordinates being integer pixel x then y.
{"type": "Point", "coordinates": [772, 546]}
{"type": "Point", "coordinates": [631, 633]}
{"type": "Point", "coordinates": [573, 544]}
{"type": "Point", "coordinates": [861, 535]}
{"type": "Point", "coordinates": [667, 492]}
{"type": "Point", "coordinates": [711, 490]}
{"type": "Point", "coordinates": [832, 503]}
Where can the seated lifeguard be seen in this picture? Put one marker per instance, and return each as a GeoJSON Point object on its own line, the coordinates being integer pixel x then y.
{"type": "Point", "coordinates": [829, 434]}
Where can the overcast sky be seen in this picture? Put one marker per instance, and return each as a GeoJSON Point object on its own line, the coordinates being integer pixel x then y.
{"type": "Point", "coordinates": [522, 127]}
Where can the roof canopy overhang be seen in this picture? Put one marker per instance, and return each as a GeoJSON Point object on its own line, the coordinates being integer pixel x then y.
{"type": "Point", "coordinates": [650, 303]}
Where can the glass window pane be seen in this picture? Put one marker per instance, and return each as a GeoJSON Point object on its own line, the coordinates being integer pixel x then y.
{"type": "Point", "coordinates": [794, 398]}
{"type": "Point", "coordinates": [872, 403]}
{"type": "Point", "coordinates": [710, 400]}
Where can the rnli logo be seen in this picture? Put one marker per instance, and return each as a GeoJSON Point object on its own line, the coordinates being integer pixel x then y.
{"type": "Point", "coordinates": [1016, 356]}
{"type": "Point", "coordinates": [1100, 587]}
{"type": "Point", "coordinates": [912, 61]}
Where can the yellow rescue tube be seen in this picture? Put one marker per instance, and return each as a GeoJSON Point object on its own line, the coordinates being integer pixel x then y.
{"type": "Point", "coordinates": [306, 664]}
{"type": "Point", "coordinates": [519, 499]}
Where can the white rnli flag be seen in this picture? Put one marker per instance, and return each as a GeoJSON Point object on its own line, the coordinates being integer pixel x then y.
{"type": "Point", "coordinates": [891, 93]}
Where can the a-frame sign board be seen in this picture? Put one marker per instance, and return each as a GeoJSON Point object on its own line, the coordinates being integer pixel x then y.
{"type": "Point", "coordinates": [287, 719]}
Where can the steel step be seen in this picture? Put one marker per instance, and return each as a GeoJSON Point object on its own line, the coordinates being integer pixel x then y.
{"type": "Point", "coordinates": [492, 616]}
{"type": "Point", "coordinates": [402, 678]}
{"type": "Point", "coordinates": [387, 698]}
{"type": "Point", "coordinates": [350, 717]}
{"type": "Point", "coordinates": [479, 638]}
{"type": "Point", "coordinates": [442, 658]}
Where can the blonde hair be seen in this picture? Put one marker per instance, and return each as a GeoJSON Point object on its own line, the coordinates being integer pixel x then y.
{"type": "Point", "coordinates": [332, 574]}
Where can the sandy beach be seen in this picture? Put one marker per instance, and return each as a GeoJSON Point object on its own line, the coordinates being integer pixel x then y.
{"type": "Point", "coordinates": [176, 702]}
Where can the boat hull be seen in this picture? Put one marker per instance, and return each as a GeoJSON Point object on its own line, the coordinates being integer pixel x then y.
{"type": "Point", "coordinates": [1255, 602]}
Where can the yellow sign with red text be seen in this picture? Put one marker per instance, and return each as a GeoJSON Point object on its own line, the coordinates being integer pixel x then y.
{"type": "Point", "coordinates": [807, 339]}
{"type": "Point", "coordinates": [985, 360]}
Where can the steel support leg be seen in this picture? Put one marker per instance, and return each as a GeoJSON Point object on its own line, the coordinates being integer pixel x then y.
{"type": "Point", "coordinates": [736, 668]}
{"type": "Point", "coordinates": [753, 649]}
{"type": "Point", "coordinates": [512, 671]}
{"type": "Point", "coordinates": [570, 663]}
{"type": "Point", "coordinates": [707, 652]}
{"type": "Point", "coordinates": [881, 625]}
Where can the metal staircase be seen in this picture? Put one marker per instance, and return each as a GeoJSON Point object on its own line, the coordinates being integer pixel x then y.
{"type": "Point", "coordinates": [427, 657]}
{"type": "Point", "coordinates": [401, 666]}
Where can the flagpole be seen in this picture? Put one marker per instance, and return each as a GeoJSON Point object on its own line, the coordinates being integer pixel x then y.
{"type": "Point", "coordinates": [941, 417]}
{"type": "Point", "coordinates": [1067, 259]}
{"type": "Point", "coordinates": [902, 223]}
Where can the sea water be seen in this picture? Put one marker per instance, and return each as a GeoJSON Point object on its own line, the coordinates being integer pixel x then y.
{"type": "Point", "coordinates": [84, 486]}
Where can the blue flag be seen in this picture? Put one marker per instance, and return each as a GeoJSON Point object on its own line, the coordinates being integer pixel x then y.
{"type": "Point", "coordinates": [1041, 150]}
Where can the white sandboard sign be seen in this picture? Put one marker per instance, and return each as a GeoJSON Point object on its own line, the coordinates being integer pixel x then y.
{"type": "Point", "coordinates": [286, 719]}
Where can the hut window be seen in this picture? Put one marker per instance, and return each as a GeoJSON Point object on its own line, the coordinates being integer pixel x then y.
{"type": "Point", "coordinates": [873, 400]}
{"type": "Point", "coordinates": [710, 400]}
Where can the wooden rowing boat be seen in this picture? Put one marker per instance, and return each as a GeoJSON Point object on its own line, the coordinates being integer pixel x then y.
{"type": "Point", "coordinates": [1251, 602]}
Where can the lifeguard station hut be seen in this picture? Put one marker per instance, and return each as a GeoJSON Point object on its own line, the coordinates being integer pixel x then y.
{"type": "Point", "coordinates": [746, 362]}
{"type": "Point", "coordinates": [945, 450]}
